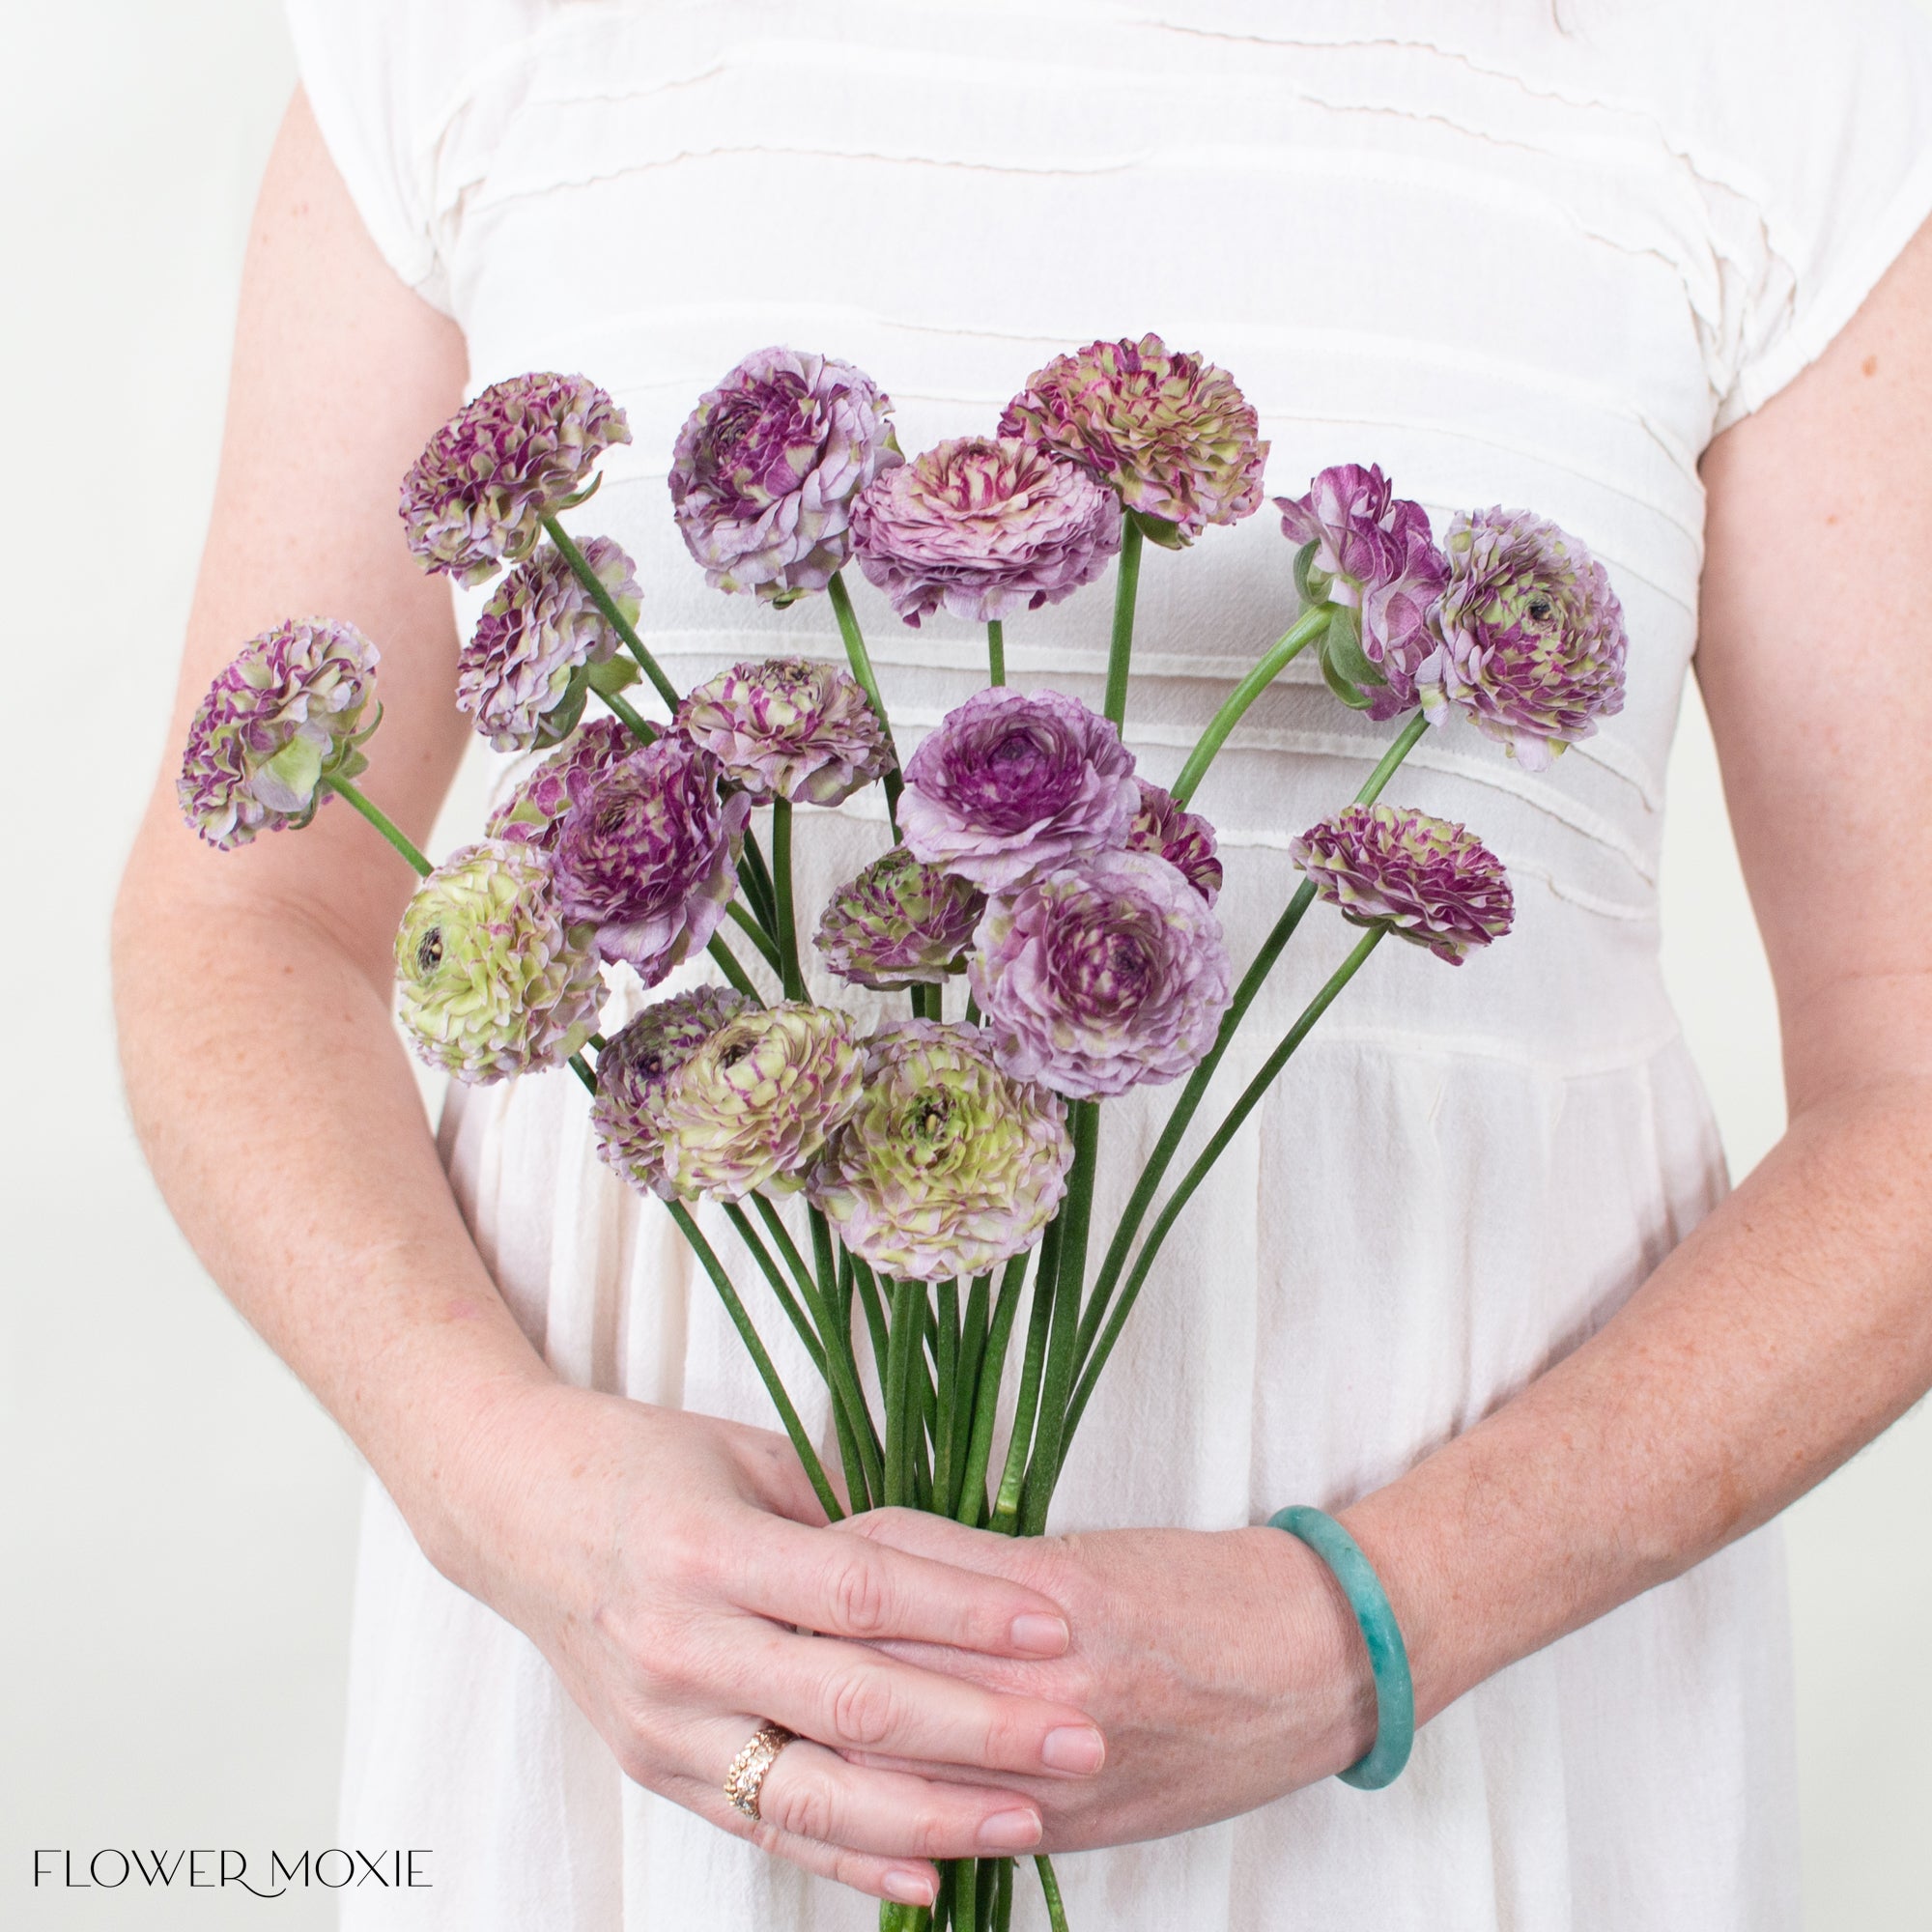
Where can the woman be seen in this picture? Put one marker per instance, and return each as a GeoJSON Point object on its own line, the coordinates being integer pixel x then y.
{"type": "Point", "coordinates": [1476, 1277]}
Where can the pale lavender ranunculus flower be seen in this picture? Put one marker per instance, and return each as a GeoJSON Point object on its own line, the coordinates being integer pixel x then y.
{"type": "Point", "coordinates": [790, 729]}
{"type": "Point", "coordinates": [283, 715]}
{"type": "Point", "coordinates": [1530, 635]}
{"type": "Point", "coordinates": [635, 1072]}
{"type": "Point", "coordinates": [1428, 880]}
{"type": "Point", "coordinates": [1107, 975]}
{"type": "Point", "coordinates": [1183, 838]}
{"type": "Point", "coordinates": [523, 450]}
{"type": "Point", "coordinates": [534, 811]}
{"type": "Point", "coordinates": [1376, 555]}
{"type": "Point", "coordinates": [1011, 786]}
{"type": "Point", "coordinates": [766, 470]}
{"type": "Point", "coordinates": [984, 527]}
{"type": "Point", "coordinates": [519, 674]}
{"type": "Point", "coordinates": [1168, 431]}
{"type": "Point", "coordinates": [949, 1166]}
{"type": "Point", "coordinates": [648, 855]}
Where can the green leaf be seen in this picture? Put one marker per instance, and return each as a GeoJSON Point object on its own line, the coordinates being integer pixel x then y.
{"type": "Point", "coordinates": [1344, 645]}
{"type": "Point", "coordinates": [584, 495]}
{"type": "Point", "coordinates": [1159, 531]}
{"type": "Point", "coordinates": [293, 773]}
{"type": "Point", "coordinates": [1354, 699]}
{"type": "Point", "coordinates": [1307, 588]}
{"type": "Point", "coordinates": [614, 674]}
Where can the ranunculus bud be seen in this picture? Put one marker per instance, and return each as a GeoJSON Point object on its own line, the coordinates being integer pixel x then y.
{"type": "Point", "coordinates": [986, 528]}
{"type": "Point", "coordinates": [1532, 641]}
{"type": "Point", "coordinates": [766, 470]}
{"type": "Point", "coordinates": [493, 980]}
{"type": "Point", "coordinates": [790, 729]}
{"type": "Point", "coordinates": [1426, 880]}
{"type": "Point", "coordinates": [1170, 432]}
{"type": "Point", "coordinates": [476, 498]}
{"type": "Point", "coordinates": [280, 717]}
{"type": "Point", "coordinates": [949, 1167]}
{"type": "Point", "coordinates": [1013, 786]}
{"type": "Point", "coordinates": [1108, 974]}
{"type": "Point", "coordinates": [754, 1105]}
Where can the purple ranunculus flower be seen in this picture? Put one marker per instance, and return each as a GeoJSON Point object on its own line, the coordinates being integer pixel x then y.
{"type": "Point", "coordinates": [475, 499]}
{"type": "Point", "coordinates": [634, 1071]}
{"type": "Point", "coordinates": [518, 676]}
{"type": "Point", "coordinates": [282, 715]}
{"type": "Point", "coordinates": [1530, 635]}
{"type": "Point", "coordinates": [985, 526]}
{"type": "Point", "coordinates": [1010, 786]}
{"type": "Point", "coordinates": [1183, 838]}
{"type": "Point", "coordinates": [491, 977]}
{"type": "Point", "coordinates": [1429, 881]}
{"type": "Point", "coordinates": [1170, 432]}
{"type": "Point", "coordinates": [766, 470]}
{"type": "Point", "coordinates": [949, 1166]}
{"type": "Point", "coordinates": [900, 923]}
{"type": "Point", "coordinates": [1108, 974]}
{"type": "Point", "coordinates": [534, 812]}
{"type": "Point", "coordinates": [648, 854]}
{"type": "Point", "coordinates": [1373, 556]}
{"type": "Point", "coordinates": [790, 729]}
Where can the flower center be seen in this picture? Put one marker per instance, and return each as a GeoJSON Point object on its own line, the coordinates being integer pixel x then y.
{"type": "Point", "coordinates": [429, 952]}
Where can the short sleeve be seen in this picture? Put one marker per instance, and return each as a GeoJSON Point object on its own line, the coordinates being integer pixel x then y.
{"type": "Point", "coordinates": [377, 85]}
{"type": "Point", "coordinates": [1812, 126]}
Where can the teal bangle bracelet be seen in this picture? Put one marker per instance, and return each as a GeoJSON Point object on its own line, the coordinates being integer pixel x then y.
{"type": "Point", "coordinates": [1388, 1654]}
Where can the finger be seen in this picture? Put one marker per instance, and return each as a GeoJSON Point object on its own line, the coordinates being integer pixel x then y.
{"type": "Point", "coordinates": [907, 1880]}
{"type": "Point", "coordinates": [855, 1699]}
{"type": "Point", "coordinates": [858, 1587]}
{"type": "Point", "coordinates": [812, 1793]}
{"type": "Point", "coordinates": [938, 1538]}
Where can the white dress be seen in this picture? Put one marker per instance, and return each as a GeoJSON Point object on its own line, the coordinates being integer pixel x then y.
{"type": "Point", "coordinates": [1511, 257]}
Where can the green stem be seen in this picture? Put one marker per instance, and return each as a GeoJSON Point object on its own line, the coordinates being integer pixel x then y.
{"type": "Point", "coordinates": [1188, 1104]}
{"type": "Point", "coordinates": [621, 706]}
{"type": "Point", "coordinates": [1003, 1897]}
{"type": "Point", "coordinates": [871, 1300]}
{"type": "Point", "coordinates": [758, 882]}
{"type": "Point", "coordinates": [1056, 1912]}
{"type": "Point", "coordinates": [787, 1300]}
{"type": "Point", "coordinates": [788, 933]}
{"type": "Point", "coordinates": [1006, 1502]}
{"type": "Point", "coordinates": [582, 1072]}
{"type": "Point", "coordinates": [945, 1376]}
{"type": "Point", "coordinates": [1063, 1349]}
{"type": "Point", "coordinates": [612, 616]}
{"type": "Point", "coordinates": [382, 823]}
{"type": "Point", "coordinates": [898, 1370]}
{"type": "Point", "coordinates": [814, 1470]}
{"type": "Point", "coordinates": [996, 651]}
{"type": "Point", "coordinates": [1303, 633]}
{"type": "Point", "coordinates": [1251, 1096]}
{"type": "Point", "coordinates": [965, 1385]}
{"type": "Point", "coordinates": [971, 1504]}
{"type": "Point", "coordinates": [1127, 592]}
{"type": "Point", "coordinates": [965, 1894]}
{"type": "Point", "coordinates": [728, 964]}
{"type": "Point", "coordinates": [860, 661]}
{"type": "Point", "coordinates": [756, 934]}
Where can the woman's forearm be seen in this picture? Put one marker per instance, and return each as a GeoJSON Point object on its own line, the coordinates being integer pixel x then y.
{"type": "Point", "coordinates": [281, 1119]}
{"type": "Point", "coordinates": [1786, 1334]}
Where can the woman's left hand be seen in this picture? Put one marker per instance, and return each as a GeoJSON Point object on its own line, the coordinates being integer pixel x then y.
{"type": "Point", "coordinates": [1223, 1667]}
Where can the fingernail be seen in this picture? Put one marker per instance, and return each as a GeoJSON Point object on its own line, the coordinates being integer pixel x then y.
{"type": "Point", "coordinates": [1009, 1832]}
{"type": "Point", "coordinates": [909, 1888]}
{"type": "Point", "coordinates": [1073, 1748]}
{"type": "Point", "coordinates": [1040, 1636]}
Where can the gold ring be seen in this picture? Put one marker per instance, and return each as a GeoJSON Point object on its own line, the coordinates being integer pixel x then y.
{"type": "Point", "coordinates": [747, 1776]}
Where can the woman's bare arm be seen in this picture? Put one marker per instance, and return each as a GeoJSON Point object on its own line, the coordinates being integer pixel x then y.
{"type": "Point", "coordinates": [1792, 1326]}
{"type": "Point", "coordinates": [657, 1559]}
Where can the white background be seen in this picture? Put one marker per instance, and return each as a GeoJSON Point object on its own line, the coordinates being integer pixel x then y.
{"type": "Point", "coordinates": [179, 1515]}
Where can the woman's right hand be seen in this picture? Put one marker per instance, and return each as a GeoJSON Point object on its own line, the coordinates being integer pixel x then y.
{"type": "Point", "coordinates": [666, 1563]}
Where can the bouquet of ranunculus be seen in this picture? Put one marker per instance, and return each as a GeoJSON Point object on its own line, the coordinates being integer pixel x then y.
{"type": "Point", "coordinates": [946, 1159]}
